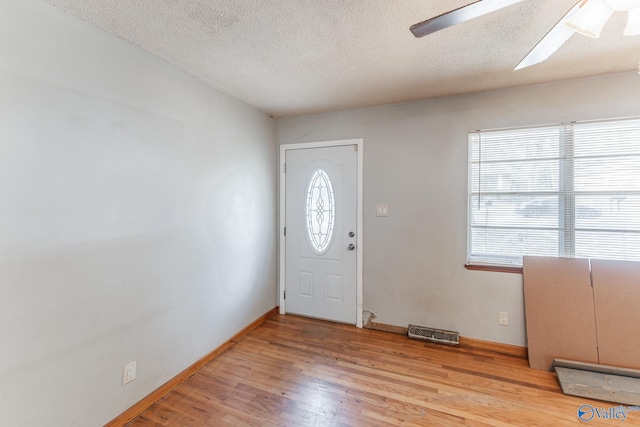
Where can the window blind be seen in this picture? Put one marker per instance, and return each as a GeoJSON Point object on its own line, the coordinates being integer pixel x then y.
{"type": "Point", "coordinates": [570, 190]}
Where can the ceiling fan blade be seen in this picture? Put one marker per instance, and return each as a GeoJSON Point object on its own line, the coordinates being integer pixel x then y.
{"type": "Point", "coordinates": [456, 16]}
{"type": "Point", "coordinates": [551, 42]}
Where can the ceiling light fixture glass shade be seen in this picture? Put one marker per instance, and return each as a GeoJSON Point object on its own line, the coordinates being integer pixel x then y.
{"type": "Point", "coordinates": [590, 18]}
{"type": "Point", "coordinates": [633, 23]}
{"type": "Point", "coordinates": [622, 5]}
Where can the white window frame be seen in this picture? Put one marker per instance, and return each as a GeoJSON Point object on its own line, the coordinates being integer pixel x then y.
{"type": "Point", "coordinates": [566, 225]}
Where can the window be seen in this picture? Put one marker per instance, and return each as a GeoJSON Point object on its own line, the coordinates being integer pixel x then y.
{"type": "Point", "coordinates": [569, 190]}
{"type": "Point", "coordinates": [320, 211]}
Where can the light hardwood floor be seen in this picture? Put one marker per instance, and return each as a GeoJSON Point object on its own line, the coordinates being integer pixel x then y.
{"type": "Point", "coordinates": [294, 371]}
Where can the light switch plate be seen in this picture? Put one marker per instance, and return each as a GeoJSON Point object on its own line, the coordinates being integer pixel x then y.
{"type": "Point", "coordinates": [382, 209]}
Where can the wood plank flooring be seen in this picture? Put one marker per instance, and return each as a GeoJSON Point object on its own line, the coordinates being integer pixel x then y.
{"type": "Point", "coordinates": [294, 371]}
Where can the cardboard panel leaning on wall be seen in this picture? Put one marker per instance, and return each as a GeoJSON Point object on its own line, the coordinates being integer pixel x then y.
{"type": "Point", "coordinates": [616, 288]}
{"type": "Point", "coordinates": [558, 302]}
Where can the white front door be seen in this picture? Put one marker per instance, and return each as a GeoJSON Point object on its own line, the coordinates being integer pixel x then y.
{"type": "Point", "coordinates": [321, 225]}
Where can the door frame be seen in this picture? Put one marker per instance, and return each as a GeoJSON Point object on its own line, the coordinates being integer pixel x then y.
{"type": "Point", "coordinates": [359, 143]}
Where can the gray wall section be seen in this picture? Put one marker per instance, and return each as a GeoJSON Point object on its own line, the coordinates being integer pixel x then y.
{"type": "Point", "coordinates": [137, 219]}
{"type": "Point", "coordinates": [415, 159]}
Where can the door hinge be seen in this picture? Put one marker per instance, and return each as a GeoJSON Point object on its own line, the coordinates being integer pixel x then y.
{"type": "Point", "coordinates": [285, 168]}
{"type": "Point", "coordinates": [285, 231]}
{"type": "Point", "coordinates": [285, 294]}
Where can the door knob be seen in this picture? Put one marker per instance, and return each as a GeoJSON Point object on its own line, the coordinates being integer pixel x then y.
{"type": "Point", "coordinates": [351, 246]}
{"type": "Point", "coordinates": [351, 234]}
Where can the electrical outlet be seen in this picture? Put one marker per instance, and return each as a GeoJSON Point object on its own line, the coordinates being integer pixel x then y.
{"type": "Point", "coordinates": [129, 372]}
{"type": "Point", "coordinates": [503, 318]}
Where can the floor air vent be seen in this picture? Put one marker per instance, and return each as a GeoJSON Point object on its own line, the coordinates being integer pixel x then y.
{"type": "Point", "coordinates": [434, 335]}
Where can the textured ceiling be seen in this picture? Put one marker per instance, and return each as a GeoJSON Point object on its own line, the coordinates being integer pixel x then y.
{"type": "Point", "coordinates": [289, 57]}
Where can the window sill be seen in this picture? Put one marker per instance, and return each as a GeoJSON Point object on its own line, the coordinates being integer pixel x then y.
{"type": "Point", "coordinates": [494, 268]}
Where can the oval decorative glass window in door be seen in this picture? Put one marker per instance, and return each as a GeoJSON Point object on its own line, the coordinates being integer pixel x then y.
{"type": "Point", "coordinates": [320, 211]}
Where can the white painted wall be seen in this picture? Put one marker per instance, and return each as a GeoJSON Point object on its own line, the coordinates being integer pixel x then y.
{"type": "Point", "coordinates": [415, 159]}
{"type": "Point", "coordinates": [137, 219]}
